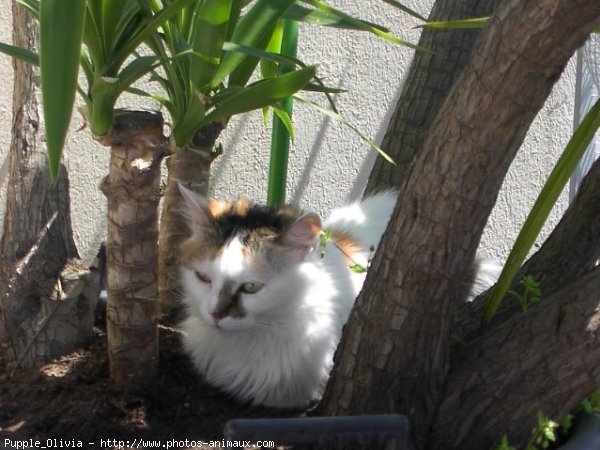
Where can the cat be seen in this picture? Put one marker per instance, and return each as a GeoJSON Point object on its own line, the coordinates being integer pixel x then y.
{"type": "Point", "coordinates": [268, 290]}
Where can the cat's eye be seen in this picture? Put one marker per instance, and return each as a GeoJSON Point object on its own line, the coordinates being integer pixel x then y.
{"type": "Point", "coordinates": [251, 287]}
{"type": "Point", "coordinates": [202, 277]}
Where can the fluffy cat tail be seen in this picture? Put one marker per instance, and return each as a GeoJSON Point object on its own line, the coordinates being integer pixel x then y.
{"type": "Point", "coordinates": [364, 221]}
{"type": "Point", "coordinates": [484, 274]}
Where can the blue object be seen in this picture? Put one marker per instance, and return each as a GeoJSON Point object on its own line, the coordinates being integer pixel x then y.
{"type": "Point", "coordinates": [392, 429]}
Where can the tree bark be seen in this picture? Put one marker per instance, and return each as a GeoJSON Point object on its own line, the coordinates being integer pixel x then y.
{"type": "Point", "coordinates": [429, 80]}
{"type": "Point", "coordinates": [571, 250]}
{"type": "Point", "coordinates": [545, 359]}
{"type": "Point", "coordinates": [132, 189]}
{"type": "Point", "coordinates": [190, 166]}
{"type": "Point", "coordinates": [46, 294]}
{"type": "Point", "coordinates": [398, 333]}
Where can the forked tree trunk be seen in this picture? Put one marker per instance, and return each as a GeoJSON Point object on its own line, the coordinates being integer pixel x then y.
{"type": "Point", "coordinates": [132, 189]}
{"type": "Point", "coordinates": [191, 167]}
{"type": "Point", "coordinates": [394, 355]}
{"type": "Point", "coordinates": [429, 80]}
{"type": "Point", "coordinates": [47, 296]}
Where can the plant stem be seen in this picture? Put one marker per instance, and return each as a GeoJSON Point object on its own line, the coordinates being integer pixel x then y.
{"type": "Point", "coordinates": [280, 140]}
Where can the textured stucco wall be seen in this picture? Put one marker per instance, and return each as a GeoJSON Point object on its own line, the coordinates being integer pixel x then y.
{"type": "Point", "coordinates": [329, 163]}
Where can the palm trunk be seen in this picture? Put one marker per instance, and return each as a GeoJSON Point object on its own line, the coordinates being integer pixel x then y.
{"type": "Point", "coordinates": [190, 166]}
{"type": "Point", "coordinates": [132, 188]}
{"type": "Point", "coordinates": [47, 296]}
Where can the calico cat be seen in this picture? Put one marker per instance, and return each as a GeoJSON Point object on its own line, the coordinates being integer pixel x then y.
{"type": "Point", "coordinates": [268, 290]}
{"type": "Point", "coordinates": [267, 298]}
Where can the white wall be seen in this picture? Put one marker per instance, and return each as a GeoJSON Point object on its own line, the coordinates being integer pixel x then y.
{"type": "Point", "coordinates": [329, 163]}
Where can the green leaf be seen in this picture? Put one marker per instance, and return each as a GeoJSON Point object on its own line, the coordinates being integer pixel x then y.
{"type": "Point", "coordinates": [323, 18]}
{"type": "Point", "coordinates": [262, 93]}
{"type": "Point", "coordinates": [61, 34]}
{"type": "Point", "coordinates": [149, 28]}
{"type": "Point", "coordinates": [208, 35]}
{"type": "Point", "coordinates": [463, 24]}
{"type": "Point", "coordinates": [136, 69]}
{"type": "Point", "coordinates": [406, 9]}
{"type": "Point", "coordinates": [341, 119]}
{"type": "Point", "coordinates": [254, 29]}
{"type": "Point", "coordinates": [285, 120]}
{"type": "Point", "coordinates": [20, 53]}
{"type": "Point", "coordinates": [268, 67]}
{"type": "Point", "coordinates": [32, 6]}
{"type": "Point", "coordinates": [357, 268]}
{"type": "Point", "coordinates": [542, 207]}
{"type": "Point", "coordinates": [362, 25]}
{"type": "Point", "coordinates": [191, 121]}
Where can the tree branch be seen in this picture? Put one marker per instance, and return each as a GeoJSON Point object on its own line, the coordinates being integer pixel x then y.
{"type": "Point", "coordinates": [394, 353]}
{"type": "Point", "coordinates": [546, 357]}
{"type": "Point", "coordinates": [571, 250]}
{"type": "Point", "coordinates": [429, 80]}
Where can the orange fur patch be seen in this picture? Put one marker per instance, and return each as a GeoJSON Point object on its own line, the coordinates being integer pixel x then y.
{"type": "Point", "coordinates": [241, 206]}
{"type": "Point", "coordinates": [218, 208]}
{"type": "Point", "coordinates": [348, 246]}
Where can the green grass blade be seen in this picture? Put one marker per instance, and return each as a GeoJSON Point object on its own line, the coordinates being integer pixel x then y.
{"type": "Point", "coordinates": [541, 209]}
{"type": "Point", "coordinates": [148, 28]}
{"type": "Point", "coordinates": [209, 31]}
{"type": "Point", "coordinates": [406, 9]}
{"type": "Point", "coordinates": [20, 53]}
{"type": "Point", "coordinates": [268, 67]}
{"type": "Point", "coordinates": [136, 69]}
{"type": "Point", "coordinates": [262, 93]}
{"type": "Point", "coordinates": [33, 6]}
{"type": "Point", "coordinates": [361, 25]}
{"type": "Point", "coordinates": [463, 24]}
{"type": "Point", "coordinates": [254, 29]}
{"type": "Point", "coordinates": [61, 35]}
{"type": "Point", "coordinates": [285, 120]}
{"type": "Point", "coordinates": [323, 18]}
{"type": "Point", "coordinates": [341, 119]}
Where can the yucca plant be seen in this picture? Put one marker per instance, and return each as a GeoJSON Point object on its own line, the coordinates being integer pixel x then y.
{"type": "Point", "coordinates": [101, 37]}
{"type": "Point", "coordinates": [203, 55]}
{"type": "Point", "coordinates": [210, 52]}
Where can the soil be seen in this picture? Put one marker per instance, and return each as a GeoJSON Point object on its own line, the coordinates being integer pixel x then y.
{"type": "Point", "coordinates": [71, 401]}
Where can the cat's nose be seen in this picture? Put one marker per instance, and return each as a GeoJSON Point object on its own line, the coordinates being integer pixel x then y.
{"type": "Point", "coordinates": [216, 315]}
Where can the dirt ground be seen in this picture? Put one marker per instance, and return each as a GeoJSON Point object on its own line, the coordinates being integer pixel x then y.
{"type": "Point", "coordinates": [72, 399]}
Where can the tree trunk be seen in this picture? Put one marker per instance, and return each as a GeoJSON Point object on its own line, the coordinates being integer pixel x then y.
{"type": "Point", "coordinates": [571, 250]}
{"type": "Point", "coordinates": [429, 79]}
{"type": "Point", "coordinates": [132, 188]}
{"type": "Point", "coordinates": [47, 296]}
{"type": "Point", "coordinates": [545, 359]}
{"type": "Point", "coordinates": [190, 166]}
{"type": "Point", "coordinates": [399, 331]}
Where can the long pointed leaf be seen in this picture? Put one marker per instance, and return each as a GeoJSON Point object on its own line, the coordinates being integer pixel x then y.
{"type": "Point", "coordinates": [20, 53]}
{"type": "Point", "coordinates": [61, 34]}
{"type": "Point", "coordinates": [144, 33]}
{"type": "Point", "coordinates": [209, 31]}
{"type": "Point", "coordinates": [405, 8]}
{"type": "Point", "coordinates": [341, 119]}
{"type": "Point", "coordinates": [363, 25]}
{"type": "Point", "coordinates": [463, 24]}
{"type": "Point", "coordinates": [32, 5]}
{"type": "Point", "coordinates": [261, 94]}
{"type": "Point", "coordinates": [253, 30]}
{"type": "Point", "coordinates": [324, 18]}
{"type": "Point", "coordinates": [541, 209]}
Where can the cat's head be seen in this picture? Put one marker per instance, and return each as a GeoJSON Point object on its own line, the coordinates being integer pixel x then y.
{"type": "Point", "coordinates": [242, 265]}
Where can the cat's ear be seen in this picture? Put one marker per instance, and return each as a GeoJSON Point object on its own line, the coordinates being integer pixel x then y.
{"type": "Point", "coordinates": [197, 208]}
{"type": "Point", "coordinates": [302, 235]}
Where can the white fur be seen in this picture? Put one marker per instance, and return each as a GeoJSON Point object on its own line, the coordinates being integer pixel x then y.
{"type": "Point", "coordinates": [281, 352]}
